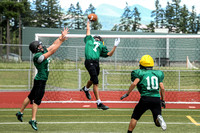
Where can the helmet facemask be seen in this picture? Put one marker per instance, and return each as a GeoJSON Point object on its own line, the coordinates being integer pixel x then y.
{"type": "Point", "coordinates": [98, 38]}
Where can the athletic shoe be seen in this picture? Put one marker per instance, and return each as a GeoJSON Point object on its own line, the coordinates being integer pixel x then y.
{"type": "Point", "coordinates": [19, 116]}
{"type": "Point", "coordinates": [162, 122]}
{"type": "Point", "coordinates": [87, 93]}
{"type": "Point", "coordinates": [33, 124]}
{"type": "Point", "coordinates": [102, 106]}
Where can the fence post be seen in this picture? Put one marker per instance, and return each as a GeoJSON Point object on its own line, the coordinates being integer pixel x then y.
{"type": "Point", "coordinates": [115, 59]}
{"type": "Point", "coordinates": [29, 79]}
{"type": "Point", "coordinates": [179, 80]}
{"type": "Point", "coordinates": [103, 79]}
{"type": "Point", "coordinates": [76, 58]}
{"type": "Point", "coordinates": [79, 78]}
{"type": "Point", "coordinates": [167, 47]}
{"type": "Point", "coordinates": [159, 60]}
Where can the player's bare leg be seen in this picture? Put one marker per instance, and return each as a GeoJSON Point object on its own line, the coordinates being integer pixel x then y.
{"type": "Point", "coordinates": [132, 125]}
{"type": "Point", "coordinates": [20, 113]}
{"type": "Point", "coordinates": [24, 104]}
{"type": "Point", "coordinates": [89, 83]}
{"type": "Point", "coordinates": [34, 111]}
{"type": "Point", "coordinates": [96, 93]}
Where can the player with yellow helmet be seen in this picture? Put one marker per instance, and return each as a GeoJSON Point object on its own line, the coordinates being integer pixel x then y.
{"type": "Point", "coordinates": [148, 82]}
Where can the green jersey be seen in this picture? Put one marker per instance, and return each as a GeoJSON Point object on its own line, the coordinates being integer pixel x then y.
{"type": "Point", "coordinates": [149, 81]}
{"type": "Point", "coordinates": [94, 49]}
{"type": "Point", "coordinates": [43, 67]}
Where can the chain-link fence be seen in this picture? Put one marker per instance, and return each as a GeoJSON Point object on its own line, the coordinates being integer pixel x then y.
{"type": "Point", "coordinates": [67, 71]}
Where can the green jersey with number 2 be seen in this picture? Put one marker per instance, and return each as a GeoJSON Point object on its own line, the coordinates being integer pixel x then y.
{"type": "Point", "coordinates": [43, 67]}
{"type": "Point", "coordinates": [94, 49]}
{"type": "Point", "coordinates": [149, 81]}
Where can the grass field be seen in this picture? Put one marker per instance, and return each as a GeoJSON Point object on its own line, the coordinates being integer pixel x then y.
{"type": "Point", "coordinates": [98, 121]}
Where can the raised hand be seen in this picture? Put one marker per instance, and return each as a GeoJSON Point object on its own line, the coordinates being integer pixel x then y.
{"type": "Point", "coordinates": [64, 33]}
{"type": "Point", "coordinates": [117, 41]}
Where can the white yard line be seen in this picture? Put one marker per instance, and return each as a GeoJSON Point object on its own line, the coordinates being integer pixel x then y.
{"type": "Point", "coordinates": [14, 123]}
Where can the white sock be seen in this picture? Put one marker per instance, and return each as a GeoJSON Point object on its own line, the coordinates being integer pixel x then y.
{"type": "Point", "coordinates": [98, 101]}
{"type": "Point", "coordinates": [86, 89]}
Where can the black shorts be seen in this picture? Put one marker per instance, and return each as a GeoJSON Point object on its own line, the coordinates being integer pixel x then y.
{"type": "Point", "coordinates": [93, 68]}
{"type": "Point", "coordinates": [37, 92]}
{"type": "Point", "coordinates": [145, 103]}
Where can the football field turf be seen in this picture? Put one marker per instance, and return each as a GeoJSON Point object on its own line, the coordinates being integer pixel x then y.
{"type": "Point", "coordinates": [98, 121]}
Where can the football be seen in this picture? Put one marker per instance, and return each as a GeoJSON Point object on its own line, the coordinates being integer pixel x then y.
{"type": "Point", "coordinates": [92, 17]}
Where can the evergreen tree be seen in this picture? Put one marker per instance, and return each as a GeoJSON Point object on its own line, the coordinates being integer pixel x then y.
{"type": "Point", "coordinates": [79, 17]}
{"type": "Point", "coordinates": [193, 21]}
{"type": "Point", "coordinates": [47, 13]}
{"type": "Point", "coordinates": [136, 17]}
{"type": "Point", "coordinates": [27, 16]}
{"type": "Point", "coordinates": [183, 22]}
{"type": "Point", "coordinates": [91, 9]}
{"type": "Point", "coordinates": [10, 11]}
{"type": "Point", "coordinates": [53, 14]}
{"type": "Point", "coordinates": [151, 27]}
{"type": "Point", "coordinates": [126, 20]}
{"type": "Point", "coordinates": [158, 15]}
{"type": "Point", "coordinates": [129, 20]}
{"type": "Point", "coordinates": [115, 28]}
{"type": "Point", "coordinates": [169, 16]}
{"type": "Point", "coordinates": [176, 7]}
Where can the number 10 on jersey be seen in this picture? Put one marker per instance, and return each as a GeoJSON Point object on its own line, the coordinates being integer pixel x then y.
{"type": "Point", "coordinates": [152, 82]}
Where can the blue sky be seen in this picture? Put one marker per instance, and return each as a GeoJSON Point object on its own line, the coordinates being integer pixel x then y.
{"type": "Point", "coordinates": [150, 4]}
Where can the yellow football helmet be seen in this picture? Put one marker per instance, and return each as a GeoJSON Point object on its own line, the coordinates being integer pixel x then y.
{"type": "Point", "coordinates": [147, 61]}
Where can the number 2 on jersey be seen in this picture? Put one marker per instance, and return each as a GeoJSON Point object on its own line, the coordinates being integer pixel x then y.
{"type": "Point", "coordinates": [152, 83]}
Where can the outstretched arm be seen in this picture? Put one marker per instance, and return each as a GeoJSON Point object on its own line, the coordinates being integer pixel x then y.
{"type": "Point", "coordinates": [112, 51]}
{"type": "Point", "coordinates": [117, 41]}
{"type": "Point", "coordinates": [132, 86]}
{"type": "Point", "coordinates": [88, 28]}
{"type": "Point", "coordinates": [52, 49]}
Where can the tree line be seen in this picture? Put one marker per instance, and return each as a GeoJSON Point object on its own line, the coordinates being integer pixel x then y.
{"type": "Point", "coordinates": [174, 17]}
{"type": "Point", "coordinates": [15, 14]}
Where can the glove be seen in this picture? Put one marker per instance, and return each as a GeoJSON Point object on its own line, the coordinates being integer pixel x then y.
{"type": "Point", "coordinates": [125, 95]}
{"type": "Point", "coordinates": [162, 103]}
{"type": "Point", "coordinates": [117, 41]}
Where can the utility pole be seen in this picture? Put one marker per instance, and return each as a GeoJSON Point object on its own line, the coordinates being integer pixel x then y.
{"type": "Point", "coordinates": [20, 38]}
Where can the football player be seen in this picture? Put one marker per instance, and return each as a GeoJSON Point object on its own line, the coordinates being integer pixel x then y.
{"type": "Point", "coordinates": [41, 61]}
{"type": "Point", "coordinates": [148, 82]}
{"type": "Point", "coordinates": [94, 48]}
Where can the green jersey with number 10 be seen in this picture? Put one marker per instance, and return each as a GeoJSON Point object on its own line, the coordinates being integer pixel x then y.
{"type": "Point", "coordinates": [94, 49]}
{"type": "Point", "coordinates": [149, 81]}
{"type": "Point", "coordinates": [43, 67]}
